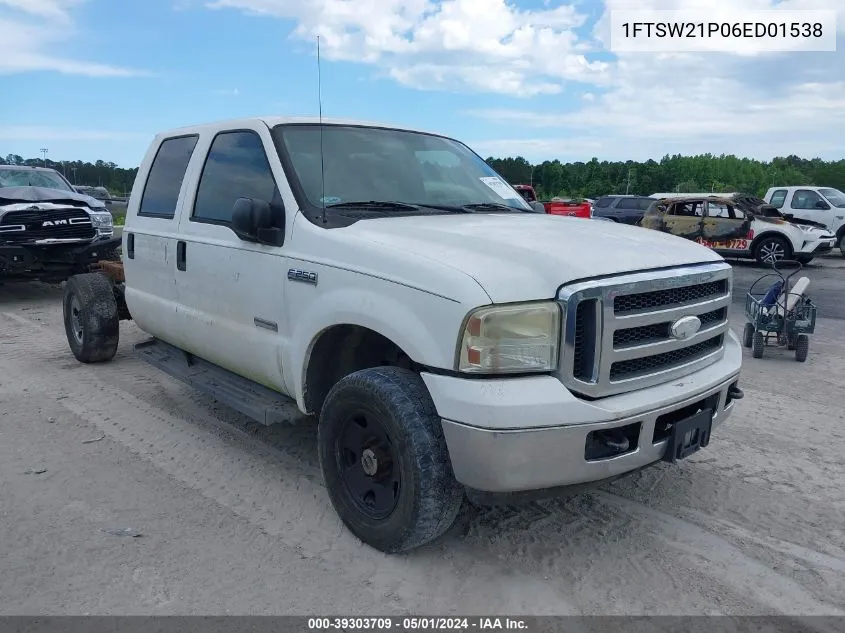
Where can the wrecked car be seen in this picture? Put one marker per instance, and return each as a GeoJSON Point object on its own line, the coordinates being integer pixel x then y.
{"type": "Point", "coordinates": [49, 231]}
{"type": "Point", "coordinates": [741, 226]}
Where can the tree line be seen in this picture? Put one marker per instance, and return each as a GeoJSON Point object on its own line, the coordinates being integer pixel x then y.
{"type": "Point", "coordinates": [683, 174]}
{"type": "Point", "coordinates": [705, 172]}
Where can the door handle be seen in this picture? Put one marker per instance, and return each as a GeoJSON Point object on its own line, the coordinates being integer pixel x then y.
{"type": "Point", "coordinates": [180, 255]}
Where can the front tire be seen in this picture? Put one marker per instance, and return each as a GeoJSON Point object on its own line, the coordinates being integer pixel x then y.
{"type": "Point", "coordinates": [747, 335]}
{"type": "Point", "coordinates": [385, 461]}
{"type": "Point", "coordinates": [758, 344]}
{"type": "Point", "coordinates": [802, 347]}
{"type": "Point", "coordinates": [92, 323]}
{"type": "Point", "coordinates": [772, 249]}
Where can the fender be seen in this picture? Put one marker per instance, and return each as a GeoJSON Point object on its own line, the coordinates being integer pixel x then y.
{"type": "Point", "coordinates": [765, 233]}
{"type": "Point", "coordinates": [390, 316]}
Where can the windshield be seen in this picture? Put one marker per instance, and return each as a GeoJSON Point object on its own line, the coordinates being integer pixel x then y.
{"type": "Point", "coordinates": [834, 196]}
{"type": "Point", "coordinates": [32, 178]}
{"type": "Point", "coordinates": [374, 164]}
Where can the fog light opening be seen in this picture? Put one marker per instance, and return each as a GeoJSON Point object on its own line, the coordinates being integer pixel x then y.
{"type": "Point", "coordinates": [609, 443]}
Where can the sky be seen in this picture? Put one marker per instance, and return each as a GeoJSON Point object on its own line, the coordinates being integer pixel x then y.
{"type": "Point", "coordinates": [96, 79]}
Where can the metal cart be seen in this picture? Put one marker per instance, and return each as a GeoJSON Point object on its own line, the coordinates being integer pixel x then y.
{"type": "Point", "coordinates": [772, 321]}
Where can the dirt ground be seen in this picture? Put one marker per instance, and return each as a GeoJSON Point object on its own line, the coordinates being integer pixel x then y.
{"type": "Point", "coordinates": [233, 518]}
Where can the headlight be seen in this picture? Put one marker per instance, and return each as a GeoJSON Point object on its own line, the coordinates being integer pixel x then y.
{"type": "Point", "coordinates": [101, 219]}
{"type": "Point", "coordinates": [510, 339]}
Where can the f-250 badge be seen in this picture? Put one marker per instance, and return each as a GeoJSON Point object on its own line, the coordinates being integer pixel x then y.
{"type": "Point", "coordinates": [305, 276]}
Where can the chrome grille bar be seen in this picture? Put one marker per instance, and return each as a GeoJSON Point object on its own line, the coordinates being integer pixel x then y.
{"type": "Point", "coordinates": [617, 336]}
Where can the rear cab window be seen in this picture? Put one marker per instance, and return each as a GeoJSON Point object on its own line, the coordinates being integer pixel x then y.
{"type": "Point", "coordinates": [163, 185]}
{"type": "Point", "coordinates": [604, 201]}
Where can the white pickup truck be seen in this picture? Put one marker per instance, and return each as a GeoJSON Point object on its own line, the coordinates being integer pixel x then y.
{"type": "Point", "coordinates": [450, 343]}
{"type": "Point", "coordinates": [823, 205]}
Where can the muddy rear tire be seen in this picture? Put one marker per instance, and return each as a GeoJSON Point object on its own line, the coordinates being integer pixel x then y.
{"type": "Point", "coordinates": [92, 323]}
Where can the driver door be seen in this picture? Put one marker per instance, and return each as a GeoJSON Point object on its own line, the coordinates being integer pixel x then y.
{"type": "Point", "coordinates": [809, 205]}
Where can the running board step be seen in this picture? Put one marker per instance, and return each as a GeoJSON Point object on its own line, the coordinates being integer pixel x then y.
{"type": "Point", "coordinates": [241, 394]}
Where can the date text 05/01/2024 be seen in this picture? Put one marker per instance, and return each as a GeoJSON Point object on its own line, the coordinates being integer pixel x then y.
{"type": "Point", "coordinates": [416, 624]}
{"type": "Point", "coordinates": [723, 29]}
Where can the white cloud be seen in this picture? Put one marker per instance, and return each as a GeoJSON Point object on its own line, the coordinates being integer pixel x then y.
{"type": "Point", "coordinates": [35, 37]}
{"type": "Point", "coordinates": [634, 103]}
{"type": "Point", "coordinates": [471, 45]}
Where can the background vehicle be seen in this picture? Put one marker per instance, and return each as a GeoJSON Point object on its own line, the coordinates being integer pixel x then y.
{"type": "Point", "coordinates": [739, 226]}
{"type": "Point", "coordinates": [622, 208]}
{"type": "Point", "coordinates": [409, 299]}
{"type": "Point", "coordinates": [557, 206]}
{"type": "Point", "coordinates": [48, 231]}
{"type": "Point", "coordinates": [823, 205]}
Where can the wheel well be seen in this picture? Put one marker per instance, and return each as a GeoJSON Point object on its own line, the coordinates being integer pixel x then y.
{"type": "Point", "coordinates": [762, 236]}
{"type": "Point", "coordinates": [341, 350]}
{"type": "Point", "coordinates": [840, 233]}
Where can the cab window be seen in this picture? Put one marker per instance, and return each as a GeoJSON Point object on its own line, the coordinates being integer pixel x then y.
{"type": "Point", "coordinates": [236, 167]}
{"type": "Point", "coordinates": [805, 199]}
{"type": "Point", "coordinates": [777, 198]}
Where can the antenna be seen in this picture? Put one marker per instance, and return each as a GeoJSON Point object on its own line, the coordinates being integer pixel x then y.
{"type": "Point", "coordinates": [320, 105]}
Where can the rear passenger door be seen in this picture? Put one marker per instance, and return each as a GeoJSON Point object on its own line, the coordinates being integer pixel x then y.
{"type": "Point", "coordinates": [232, 292]}
{"type": "Point", "coordinates": [149, 240]}
{"type": "Point", "coordinates": [725, 227]}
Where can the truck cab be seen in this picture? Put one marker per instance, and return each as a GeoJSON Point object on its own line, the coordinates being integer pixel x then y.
{"type": "Point", "coordinates": [823, 205]}
{"type": "Point", "coordinates": [448, 342]}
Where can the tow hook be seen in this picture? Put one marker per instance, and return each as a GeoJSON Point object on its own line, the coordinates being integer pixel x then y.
{"type": "Point", "coordinates": [735, 393]}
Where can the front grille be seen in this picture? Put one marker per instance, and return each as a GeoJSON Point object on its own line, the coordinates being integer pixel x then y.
{"type": "Point", "coordinates": [31, 225]}
{"type": "Point", "coordinates": [618, 330]}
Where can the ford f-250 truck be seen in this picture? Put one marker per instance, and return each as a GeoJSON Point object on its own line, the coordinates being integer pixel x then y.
{"type": "Point", "coordinates": [450, 343]}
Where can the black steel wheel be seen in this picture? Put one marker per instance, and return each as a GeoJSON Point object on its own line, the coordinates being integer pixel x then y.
{"type": "Point", "coordinates": [385, 460]}
{"type": "Point", "coordinates": [368, 462]}
{"type": "Point", "coordinates": [747, 335]}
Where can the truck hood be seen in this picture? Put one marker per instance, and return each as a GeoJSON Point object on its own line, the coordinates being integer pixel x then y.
{"type": "Point", "coordinates": [12, 195]}
{"type": "Point", "coordinates": [528, 256]}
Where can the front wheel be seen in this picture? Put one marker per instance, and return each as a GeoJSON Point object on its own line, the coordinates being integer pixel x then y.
{"type": "Point", "coordinates": [772, 249]}
{"type": "Point", "coordinates": [747, 335]}
{"type": "Point", "coordinates": [92, 323]}
{"type": "Point", "coordinates": [385, 460]}
{"type": "Point", "coordinates": [802, 347]}
{"type": "Point", "coordinates": [758, 344]}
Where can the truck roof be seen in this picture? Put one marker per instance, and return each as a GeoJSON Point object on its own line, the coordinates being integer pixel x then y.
{"type": "Point", "coordinates": [26, 168]}
{"type": "Point", "coordinates": [272, 121]}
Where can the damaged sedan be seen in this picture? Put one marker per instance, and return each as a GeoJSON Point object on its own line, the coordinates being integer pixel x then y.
{"type": "Point", "coordinates": [740, 226]}
{"type": "Point", "coordinates": [48, 231]}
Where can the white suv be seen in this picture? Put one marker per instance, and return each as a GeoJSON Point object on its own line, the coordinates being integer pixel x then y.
{"type": "Point", "coordinates": [823, 205]}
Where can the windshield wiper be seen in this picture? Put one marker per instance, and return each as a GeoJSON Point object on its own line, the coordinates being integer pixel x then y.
{"type": "Point", "coordinates": [372, 204]}
{"type": "Point", "coordinates": [493, 205]}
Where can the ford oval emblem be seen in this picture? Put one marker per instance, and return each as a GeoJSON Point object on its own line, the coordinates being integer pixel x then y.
{"type": "Point", "coordinates": [685, 327]}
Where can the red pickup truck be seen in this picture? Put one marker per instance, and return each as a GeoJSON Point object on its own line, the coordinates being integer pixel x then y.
{"type": "Point", "coordinates": [557, 206]}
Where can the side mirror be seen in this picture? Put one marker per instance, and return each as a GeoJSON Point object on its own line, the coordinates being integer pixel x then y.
{"type": "Point", "coordinates": [821, 204]}
{"type": "Point", "coordinates": [537, 207]}
{"type": "Point", "coordinates": [788, 216]}
{"type": "Point", "coordinates": [252, 221]}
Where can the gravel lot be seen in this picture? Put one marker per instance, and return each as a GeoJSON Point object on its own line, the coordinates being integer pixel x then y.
{"type": "Point", "coordinates": [233, 517]}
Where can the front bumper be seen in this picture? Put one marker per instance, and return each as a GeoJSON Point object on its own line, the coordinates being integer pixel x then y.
{"type": "Point", "coordinates": [530, 434]}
